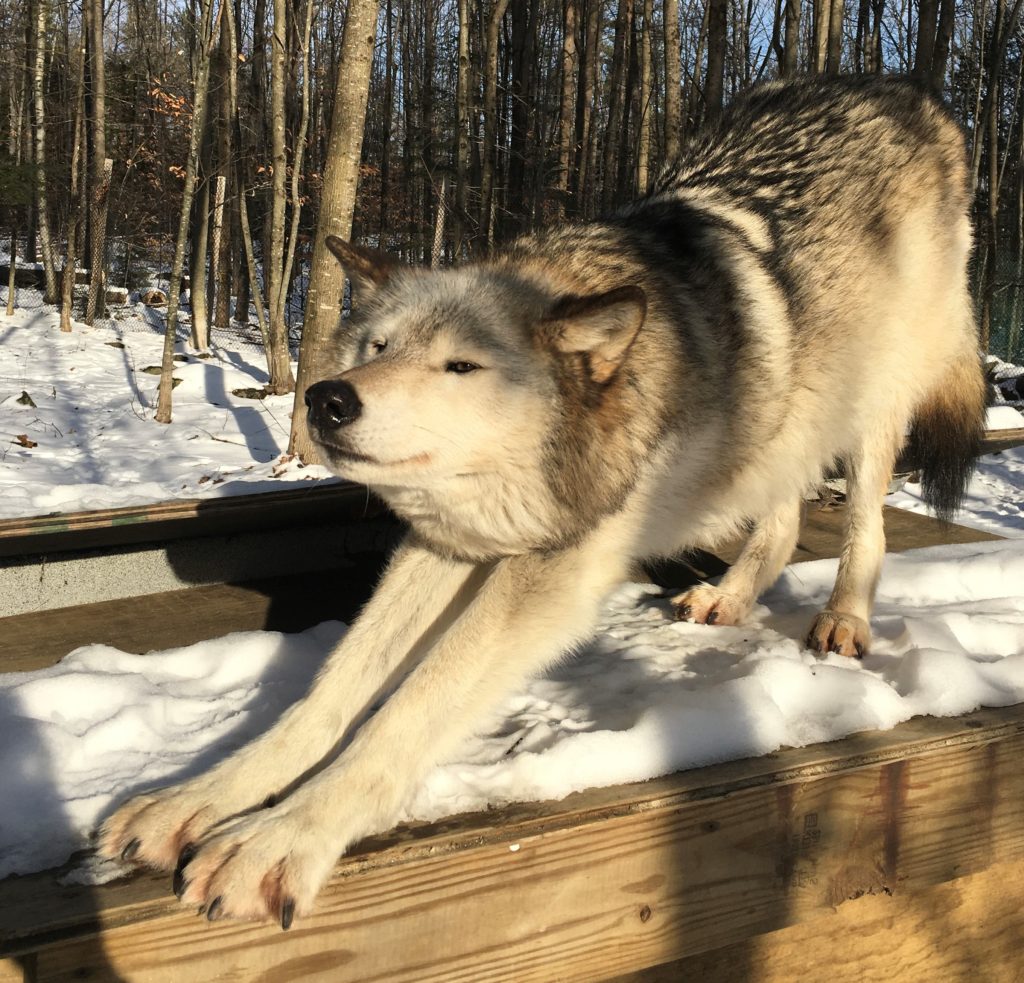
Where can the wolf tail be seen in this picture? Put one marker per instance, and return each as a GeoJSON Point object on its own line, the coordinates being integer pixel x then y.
{"type": "Point", "coordinates": [945, 436]}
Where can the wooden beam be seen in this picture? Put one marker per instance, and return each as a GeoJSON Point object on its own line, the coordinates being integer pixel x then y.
{"type": "Point", "coordinates": [153, 622]}
{"type": "Point", "coordinates": [187, 518]}
{"type": "Point", "coordinates": [967, 929]}
{"type": "Point", "coordinates": [822, 529]}
{"type": "Point", "coordinates": [605, 882]}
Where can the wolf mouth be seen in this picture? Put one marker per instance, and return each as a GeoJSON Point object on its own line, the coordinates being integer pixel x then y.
{"type": "Point", "coordinates": [349, 455]}
{"type": "Point", "coordinates": [345, 453]}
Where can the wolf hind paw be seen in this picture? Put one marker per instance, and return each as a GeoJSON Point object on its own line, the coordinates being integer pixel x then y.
{"type": "Point", "coordinates": [709, 605]}
{"type": "Point", "coordinates": [845, 634]}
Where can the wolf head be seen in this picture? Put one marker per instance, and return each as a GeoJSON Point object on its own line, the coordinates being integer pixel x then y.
{"type": "Point", "coordinates": [475, 377]}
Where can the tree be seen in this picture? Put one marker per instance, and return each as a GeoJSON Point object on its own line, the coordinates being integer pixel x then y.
{"type": "Point", "coordinates": [717, 41]}
{"type": "Point", "coordinates": [673, 80]}
{"type": "Point", "coordinates": [40, 32]}
{"type": "Point", "coordinates": [76, 210]}
{"type": "Point", "coordinates": [102, 165]}
{"type": "Point", "coordinates": [337, 206]}
{"type": "Point", "coordinates": [196, 128]}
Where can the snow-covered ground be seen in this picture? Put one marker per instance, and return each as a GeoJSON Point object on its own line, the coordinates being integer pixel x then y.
{"type": "Point", "coordinates": [77, 429]}
{"type": "Point", "coordinates": [648, 696]}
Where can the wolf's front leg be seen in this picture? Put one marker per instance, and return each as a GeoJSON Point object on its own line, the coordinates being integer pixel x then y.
{"type": "Point", "coordinates": [531, 610]}
{"type": "Point", "coordinates": [418, 598]}
{"type": "Point", "coordinates": [766, 552]}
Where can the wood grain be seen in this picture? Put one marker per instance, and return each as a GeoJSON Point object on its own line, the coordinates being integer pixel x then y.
{"type": "Point", "coordinates": [964, 931]}
{"type": "Point", "coordinates": [161, 521]}
{"type": "Point", "coordinates": [605, 883]}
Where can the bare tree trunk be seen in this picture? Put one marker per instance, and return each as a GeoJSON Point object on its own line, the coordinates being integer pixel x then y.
{"type": "Point", "coordinates": [490, 109]}
{"type": "Point", "coordinates": [462, 124]}
{"type": "Point", "coordinates": [197, 279]}
{"type": "Point", "coordinates": [278, 359]}
{"type": "Point", "coordinates": [791, 51]}
{"type": "Point", "coordinates": [101, 165]}
{"type": "Point", "coordinates": [877, 62]}
{"type": "Point", "coordinates": [337, 204]}
{"type": "Point", "coordinates": [927, 24]}
{"type": "Point", "coordinates": [220, 273]}
{"type": "Point", "coordinates": [40, 32]}
{"type": "Point", "coordinates": [819, 50]}
{"type": "Point", "coordinates": [12, 280]}
{"type": "Point", "coordinates": [643, 153]}
{"type": "Point", "coordinates": [524, 27]}
{"type": "Point", "coordinates": [673, 81]}
{"type": "Point", "coordinates": [717, 41]}
{"type": "Point", "coordinates": [76, 209]}
{"type": "Point", "coordinates": [696, 96]}
{"type": "Point", "coordinates": [567, 112]}
{"type": "Point", "coordinates": [31, 245]}
{"type": "Point", "coordinates": [221, 253]}
{"type": "Point", "coordinates": [437, 248]}
{"type": "Point", "coordinates": [943, 37]}
{"type": "Point", "coordinates": [250, 279]}
{"type": "Point", "coordinates": [202, 81]}
{"type": "Point", "coordinates": [586, 91]}
{"type": "Point", "coordinates": [299, 153]}
{"type": "Point", "coordinates": [387, 117]}
{"type": "Point", "coordinates": [1002, 30]}
{"type": "Point", "coordinates": [835, 37]}
{"type": "Point", "coordinates": [616, 104]}
{"type": "Point", "coordinates": [862, 38]}
{"type": "Point", "coordinates": [1003, 27]}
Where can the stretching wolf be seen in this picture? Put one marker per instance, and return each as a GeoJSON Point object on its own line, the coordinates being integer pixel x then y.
{"type": "Point", "coordinates": [793, 292]}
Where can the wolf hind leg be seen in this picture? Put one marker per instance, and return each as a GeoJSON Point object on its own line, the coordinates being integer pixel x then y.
{"type": "Point", "coordinates": [843, 626]}
{"type": "Point", "coordinates": [766, 552]}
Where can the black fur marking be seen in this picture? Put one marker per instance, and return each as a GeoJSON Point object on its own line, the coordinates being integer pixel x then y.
{"type": "Point", "coordinates": [945, 441]}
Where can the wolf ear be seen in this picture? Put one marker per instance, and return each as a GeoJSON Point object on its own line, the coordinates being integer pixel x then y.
{"type": "Point", "coordinates": [368, 267]}
{"type": "Point", "coordinates": [601, 326]}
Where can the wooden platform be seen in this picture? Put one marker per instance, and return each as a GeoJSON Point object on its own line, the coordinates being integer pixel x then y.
{"type": "Point", "coordinates": [884, 856]}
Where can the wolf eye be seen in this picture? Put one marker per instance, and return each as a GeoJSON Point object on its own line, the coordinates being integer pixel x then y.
{"type": "Point", "coordinates": [379, 345]}
{"type": "Point", "coordinates": [461, 367]}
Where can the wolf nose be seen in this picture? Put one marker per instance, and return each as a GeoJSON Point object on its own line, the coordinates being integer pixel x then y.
{"type": "Point", "coordinates": [332, 404]}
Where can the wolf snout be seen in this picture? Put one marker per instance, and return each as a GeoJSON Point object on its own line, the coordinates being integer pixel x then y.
{"type": "Point", "coordinates": [332, 404]}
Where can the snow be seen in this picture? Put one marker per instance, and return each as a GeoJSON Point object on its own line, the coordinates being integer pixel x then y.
{"type": "Point", "coordinates": [1003, 418]}
{"type": "Point", "coordinates": [96, 443]}
{"type": "Point", "coordinates": [648, 696]}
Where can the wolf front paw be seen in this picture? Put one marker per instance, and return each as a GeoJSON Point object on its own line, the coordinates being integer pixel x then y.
{"type": "Point", "coordinates": [708, 605]}
{"type": "Point", "coordinates": [152, 828]}
{"type": "Point", "coordinates": [269, 865]}
{"type": "Point", "coordinates": [846, 634]}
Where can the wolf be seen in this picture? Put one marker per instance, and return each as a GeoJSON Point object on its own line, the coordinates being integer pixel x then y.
{"type": "Point", "coordinates": [792, 294]}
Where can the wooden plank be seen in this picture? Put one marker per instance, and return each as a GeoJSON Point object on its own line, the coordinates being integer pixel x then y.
{"type": "Point", "coordinates": [967, 929]}
{"type": "Point", "coordinates": [156, 621]}
{"type": "Point", "coordinates": [104, 528]}
{"type": "Point", "coordinates": [821, 534]}
{"type": "Point", "coordinates": [1002, 440]}
{"type": "Point", "coordinates": [153, 622]}
{"type": "Point", "coordinates": [606, 882]}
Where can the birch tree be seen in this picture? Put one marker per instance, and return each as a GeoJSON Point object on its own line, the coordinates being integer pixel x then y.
{"type": "Point", "coordinates": [40, 33]}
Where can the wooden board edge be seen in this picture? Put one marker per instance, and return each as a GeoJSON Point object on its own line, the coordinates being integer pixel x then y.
{"type": "Point", "coordinates": [36, 908]}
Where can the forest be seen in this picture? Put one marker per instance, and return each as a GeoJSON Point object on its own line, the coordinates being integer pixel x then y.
{"type": "Point", "coordinates": [151, 143]}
